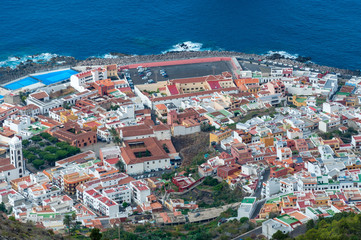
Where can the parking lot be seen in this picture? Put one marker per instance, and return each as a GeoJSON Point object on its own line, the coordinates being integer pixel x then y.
{"type": "Point", "coordinates": [152, 174]}
{"type": "Point", "coordinates": [181, 71]}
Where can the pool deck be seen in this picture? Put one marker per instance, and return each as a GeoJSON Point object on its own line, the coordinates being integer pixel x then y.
{"type": "Point", "coordinates": [5, 91]}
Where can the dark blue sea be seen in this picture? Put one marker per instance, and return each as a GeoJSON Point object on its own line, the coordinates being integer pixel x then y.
{"type": "Point", "coordinates": [328, 31]}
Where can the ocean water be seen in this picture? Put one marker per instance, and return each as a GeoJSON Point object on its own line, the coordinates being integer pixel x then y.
{"type": "Point", "coordinates": [328, 31]}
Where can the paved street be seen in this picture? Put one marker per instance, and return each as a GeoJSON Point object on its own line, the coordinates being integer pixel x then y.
{"type": "Point", "coordinates": [255, 232]}
{"type": "Point", "coordinates": [258, 208]}
{"type": "Point", "coordinates": [258, 191]}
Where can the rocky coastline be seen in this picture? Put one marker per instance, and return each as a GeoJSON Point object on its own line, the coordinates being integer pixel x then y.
{"type": "Point", "coordinates": [8, 74]}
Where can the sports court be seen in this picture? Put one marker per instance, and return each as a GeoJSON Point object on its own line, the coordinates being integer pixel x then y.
{"type": "Point", "coordinates": [54, 77]}
{"type": "Point", "coordinates": [21, 83]}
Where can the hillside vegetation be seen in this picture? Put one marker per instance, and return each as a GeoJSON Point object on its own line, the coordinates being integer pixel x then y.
{"type": "Point", "coordinates": [15, 230]}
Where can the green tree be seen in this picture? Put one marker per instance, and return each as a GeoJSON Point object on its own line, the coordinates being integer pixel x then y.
{"type": "Point", "coordinates": [51, 149]}
{"type": "Point", "coordinates": [50, 157]}
{"type": "Point", "coordinates": [310, 224]}
{"type": "Point", "coordinates": [53, 139]}
{"type": "Point", "coordinates": [60, 154]}
{"type": "Point", "coordinates": [95, 234]}
{"type": "Point", "coordinates": [279, 235]}
{"type": "Point", "coordinates": [45, 135]}
{"type": "Point", "coordinates": [36, 138]}
{"type": "Point", "coordinates": [30, 157]}
{"type": "Point", "coordinates": [3, 208]}
{"type": "Point", "coordinates": [125, 204]}
{"type": "Point", "coordinates": [25, 143]}
{"type": "Point", "coordinates": [67, 221]}
{"type": "Point", "coordinates": [38, 163]}
{"type": "Point", "coordinates": [120, 166]}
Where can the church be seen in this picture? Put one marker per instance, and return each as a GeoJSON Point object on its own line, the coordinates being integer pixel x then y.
{"type": "Point", "coordinates": [13, 167]}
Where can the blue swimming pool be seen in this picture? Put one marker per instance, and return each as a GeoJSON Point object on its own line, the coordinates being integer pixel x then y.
{"type": "Point", "coordinates": [54, 77]}
{"type": "Point", "coordinates": [21, 83]}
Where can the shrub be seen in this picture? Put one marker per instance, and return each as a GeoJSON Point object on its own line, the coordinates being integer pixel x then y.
{"type": "Point", "coordinates": [38, 163]}
{"type": "Point", "coordinates": [36, 138]}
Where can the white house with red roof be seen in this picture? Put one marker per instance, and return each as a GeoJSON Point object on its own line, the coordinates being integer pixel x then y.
{"type": "Point", "coordinates": [140, 191]}
{"type": "Point", "coordinates": [79, 80]}
{"type": "Point", "coordinates": [100, 203]}
{"type": "Point", "coordinates": [119, 194]}
{"type": "Point", "coordinates": [356, 141]}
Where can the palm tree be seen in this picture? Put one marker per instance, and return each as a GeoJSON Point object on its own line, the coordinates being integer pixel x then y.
{"type": "Point", "coordinates": [67, 221]}
{"type": "Point", "coordinates": [120, 166]}
{"type": "Point", "coordinates": [116, 138]}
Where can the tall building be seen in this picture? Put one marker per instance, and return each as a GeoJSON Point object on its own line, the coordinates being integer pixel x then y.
{"type": "Point", "coordinates": [13, 167]}
{"type": "Point", "coordinates": [16, 154]}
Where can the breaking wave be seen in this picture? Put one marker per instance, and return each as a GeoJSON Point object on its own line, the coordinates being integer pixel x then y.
{"type": "Point", "coordinates": [14, 61]}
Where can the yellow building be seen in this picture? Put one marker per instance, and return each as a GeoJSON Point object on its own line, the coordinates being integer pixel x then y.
{"type": "Point", "coordinates": [72, 180]}
{"type": "Point", "coordinates": [299, 101]}
{"type": "Point", "coordinates": [268, 141]}
{"type": "Point", "coordinates": [93, 125]}
{"type": "Point", "coordinates": [112, 71]}
{"type": "Point", "coordinates": [219, 136]}
{"type": "Point", "coordinates": [334, 143]}
{"type": "Point", "coordinates": [67, 115]}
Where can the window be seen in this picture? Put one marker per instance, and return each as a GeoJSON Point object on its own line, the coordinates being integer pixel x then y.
{"type": "Point", "coordinates": [20, 171]}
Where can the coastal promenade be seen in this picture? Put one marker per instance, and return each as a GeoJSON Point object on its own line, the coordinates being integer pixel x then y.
{"type": "Point", "coordinates": [8, 74]}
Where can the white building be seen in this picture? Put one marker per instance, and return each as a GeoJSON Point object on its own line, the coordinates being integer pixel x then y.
{"type": "Point", "coordinates": [271, 226]}
{"type": "Point", "coordinates": [42, 100]}
{"type": "Point", "coordinates": [271, 187]}
{"type": "Point", "coordinates": [18, 123]}
{"type": "Point", "coordinates": [100, 203]}
{"type": "Point", "coordinates": [14, 167]}
{"type": "Point", "coordinates": [140, 191]}
{"type": "Point", "coordinates": [79, 80]}
{"type": "Point", "coordinates": [246, 208]}
{"type": "Point", "coordinates": [119, 194]}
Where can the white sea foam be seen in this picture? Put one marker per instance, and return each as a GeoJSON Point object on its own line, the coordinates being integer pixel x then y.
{"type": "Point", "coordinates": [186, 47]}
{"type": "Point", "coordinates": [108, 55]}
{"type": "Point", "coordinates": [283, 53]}
{"type": "Point", "coordinates": [13, 61]}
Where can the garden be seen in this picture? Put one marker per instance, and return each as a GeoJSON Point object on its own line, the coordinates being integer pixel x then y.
{"type": "Point", "coordinates": [43, 150]}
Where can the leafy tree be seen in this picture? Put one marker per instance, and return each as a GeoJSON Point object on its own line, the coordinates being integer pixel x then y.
{"type": "Point", "coordinates": [38, 163]}
{"type": "Point", "coordinates": [36, 138]}
{"type": "Point", "coordinates": [53, 139]}
{"type": "Point", "coordinates": [60, 154]}
{"type": "Point", "coordinates": [30, 157]}
{"type": "Point", "coordinates": [3, 208]}
{"type": "Point", "coordinates": [210, 181]}
{"type": "Point", "coordinates": [62, 144]}
{"type": "Point", "coordinates": [279, 235]}
{"type": "Point", "coordinates": [310, 224]}
{"type": "Point", "coordinates": [67, 221]}
{"type": "Point", "coordinates": [120, 166]}
{"type": "Point", "coordinates": [95, 234]}
{"type": "Point", "coordinates": [140, 228]}
{"type": "Point", "coordinates": [50, 157]}
{"type": "Point", "coordinates": [25, 142]}
{"type": "Point", "coordinates": [45, 135]}
{"type": "Point", "coordinates": [125, 204]}
{"type": "Point", "coordinates": [72, 150]}
{"type": "Point", "coordinates": [51, 149]}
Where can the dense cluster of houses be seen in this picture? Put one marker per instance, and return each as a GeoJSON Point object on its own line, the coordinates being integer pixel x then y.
{"type": "Point", "coordinates": [268, 126]}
